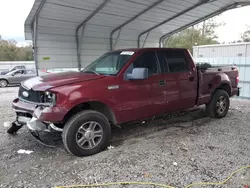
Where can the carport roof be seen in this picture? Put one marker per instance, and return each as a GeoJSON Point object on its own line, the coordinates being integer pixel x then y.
{"type": "Point", "coordinates": [83, 29]}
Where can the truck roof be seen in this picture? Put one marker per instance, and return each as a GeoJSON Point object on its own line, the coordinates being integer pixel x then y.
{"type": "Point", "coordinates": [148, 49]}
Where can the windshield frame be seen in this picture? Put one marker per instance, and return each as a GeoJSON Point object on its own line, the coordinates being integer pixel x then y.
{"type": "Point", "coordinates": [116, 51]}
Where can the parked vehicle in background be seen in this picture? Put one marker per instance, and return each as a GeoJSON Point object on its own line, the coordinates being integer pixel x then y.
{"type": "Point", "coordinates": [12, 69]}
{"type": "Point", "coordinates": [120, 86]}
{"type": "Point", "coordinates": [17, 76]}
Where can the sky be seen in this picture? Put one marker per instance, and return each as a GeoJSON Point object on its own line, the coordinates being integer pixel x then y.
{"type": "Point", "coordinates": [12, 16]}
{"type": "Point", "coordinates": [14, 12]}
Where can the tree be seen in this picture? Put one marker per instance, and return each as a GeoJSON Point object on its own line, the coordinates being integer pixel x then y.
{"type": "Point", "coordinates": [201, 34]}
{"type": "Point", "coordinates": [245, 37]}
{"type": "Point", "coordinates": [9, 51]}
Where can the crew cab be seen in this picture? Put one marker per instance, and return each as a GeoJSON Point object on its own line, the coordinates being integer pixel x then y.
{"type": "Point", "coordinates": [120, 86]}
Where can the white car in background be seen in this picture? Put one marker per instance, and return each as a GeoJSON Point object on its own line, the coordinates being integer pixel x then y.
{"type": "Point", "coordinates": [17, 76]}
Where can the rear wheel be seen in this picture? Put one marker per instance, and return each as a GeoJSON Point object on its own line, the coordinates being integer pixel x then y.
{"type": "Point", "coordinates": [3, 83]}
{"type": "Point", "coordinates": [219, 104]}
{"type": "Point", "coordinates": [86, 133]}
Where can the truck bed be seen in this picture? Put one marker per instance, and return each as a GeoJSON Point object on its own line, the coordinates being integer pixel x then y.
{"type": "Point", "coordinates": [211, 78]}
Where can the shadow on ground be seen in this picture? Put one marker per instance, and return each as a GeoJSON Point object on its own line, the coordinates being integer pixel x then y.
{"type": "Point", "coordinates": [145, 127]}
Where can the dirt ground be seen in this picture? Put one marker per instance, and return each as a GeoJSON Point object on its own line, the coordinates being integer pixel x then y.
{"type": "Point", "coordinates": [175, 150]}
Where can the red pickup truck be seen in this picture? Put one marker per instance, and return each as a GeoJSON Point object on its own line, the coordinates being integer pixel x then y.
{"type": "Point", "coordinates": [120, 86]}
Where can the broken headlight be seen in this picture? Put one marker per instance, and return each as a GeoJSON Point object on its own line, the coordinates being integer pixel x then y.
{"type": "Point", "coordinates": [49, 97]}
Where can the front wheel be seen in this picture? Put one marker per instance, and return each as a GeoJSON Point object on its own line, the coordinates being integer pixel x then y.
{"type": "Point", "coordinates": [3, 83]}
{"type": "Point", "coordinates": [86, 133]}
{"type": "Point", "coordinates": [219, 104]}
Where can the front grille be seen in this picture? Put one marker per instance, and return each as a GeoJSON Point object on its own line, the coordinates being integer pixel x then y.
{"type": "Point", "coordinates": [33, 96]}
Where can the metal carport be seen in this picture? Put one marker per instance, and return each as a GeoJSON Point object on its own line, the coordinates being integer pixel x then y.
{"type": "Point", "coordinates": [73, 33]}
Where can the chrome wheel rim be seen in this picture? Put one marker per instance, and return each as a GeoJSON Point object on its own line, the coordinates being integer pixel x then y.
{"type": "Point", "coordinates": [3, 83]}
{"type": "Point", "coordinates": [221, 105]}
{"type": "Point", "coordinates": [89, 135]}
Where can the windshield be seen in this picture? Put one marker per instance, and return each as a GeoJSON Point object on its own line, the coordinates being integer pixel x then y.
{"type": "Point", "coordinates": [110, 63]}
{"type": "Point", "coordinates": [12, 69]}
{"type": "Point", "coordinates": [11, 72]}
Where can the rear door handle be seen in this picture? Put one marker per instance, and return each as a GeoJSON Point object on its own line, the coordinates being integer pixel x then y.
{"type": "Point", "coordinates": [162, 82]}
{"type": "Point", "coordinates": [191, 78]}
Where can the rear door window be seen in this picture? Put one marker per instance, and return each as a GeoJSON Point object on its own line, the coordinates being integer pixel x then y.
{"type": "Point", "coordinates": [176, 61]}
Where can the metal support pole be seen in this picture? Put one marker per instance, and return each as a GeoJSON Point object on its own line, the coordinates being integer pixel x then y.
{"type": "Point", "coordinates": [165, 41]}
{"type": "Point", "coordinates": [202, 2]}
{"type": "Point", "coordinates": [145, 40]}
{"type": "Point", "coordinates": [34, 29]}
{"type": "Point", "coordinates": [83, 25]}
{"type": "Point", "coordinates": [130, 20]}
{"type": "Point", "coordinates": [118, 36]}
{"type": "Point", "coordinates": [35, 24]}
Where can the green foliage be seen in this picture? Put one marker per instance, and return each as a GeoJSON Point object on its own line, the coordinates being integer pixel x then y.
{"type": "Point", "coordinates": [199, 35]}
{"type": "Point", "coordinates": [246, 35]}
{"type": "Point", "coordinates": [9, 51]}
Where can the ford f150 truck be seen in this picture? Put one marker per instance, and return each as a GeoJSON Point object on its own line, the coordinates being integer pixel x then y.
{"type": "Point", "coordinates": [120, 86]}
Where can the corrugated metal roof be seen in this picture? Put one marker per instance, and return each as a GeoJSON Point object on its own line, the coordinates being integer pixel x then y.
{"type": "Point", "coordinates": [109, 24]}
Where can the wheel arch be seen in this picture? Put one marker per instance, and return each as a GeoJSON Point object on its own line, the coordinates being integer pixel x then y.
{"type": "Point", "coordinates": [226, 87]}
{"type": "Point", "coordinates": [5, 80]}
{"type": "Point", "coordinates": [221, 81]}
{"type": "Point", "coordinates": [93, 105]}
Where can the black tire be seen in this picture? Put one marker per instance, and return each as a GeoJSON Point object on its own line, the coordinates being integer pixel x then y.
{"type": "Point", "coordinates": [215, 103]}
{"type": "Point", "coordinates": [3, 83]}
{"type": "Point", "coordinates": [14, 128]}
{"type": "Point", "coordinates": [75, 123]}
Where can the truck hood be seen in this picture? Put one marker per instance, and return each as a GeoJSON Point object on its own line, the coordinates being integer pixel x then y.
{"type": "Point", "coordinates": [43, 83]}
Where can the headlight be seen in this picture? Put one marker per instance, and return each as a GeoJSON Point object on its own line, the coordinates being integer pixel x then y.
{"type": "Point", "coordinates": [49, 97]}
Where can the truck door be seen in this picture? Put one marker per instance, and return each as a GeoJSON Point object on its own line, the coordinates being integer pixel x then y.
{"type": "Point", "coordinates": [171, 85]}
{"type": "Point", "coordinates": [140, 96]}
{"type": "Point", "coordinates": [15, 77]}
{"type": "Point", "coordinates": [186, 78]}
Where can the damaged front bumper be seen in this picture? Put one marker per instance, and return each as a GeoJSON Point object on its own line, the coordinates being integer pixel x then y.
{"type": "Point", "coordinates": [34, 124]}
{"type": "Point", "coordinates": [38, 117]}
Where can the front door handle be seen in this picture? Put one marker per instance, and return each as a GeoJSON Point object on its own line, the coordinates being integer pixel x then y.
{"type": "Point", "coordinates": [162, 82]}
{"type": "Point", "coordinates": [191, 78]}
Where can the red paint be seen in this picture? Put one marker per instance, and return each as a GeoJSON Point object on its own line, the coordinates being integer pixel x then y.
{"type": "Point", "coordinates": [133, 100]}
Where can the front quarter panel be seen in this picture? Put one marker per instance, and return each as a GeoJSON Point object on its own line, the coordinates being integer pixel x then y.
{"type": "Point", "coordinates": [70, 96]}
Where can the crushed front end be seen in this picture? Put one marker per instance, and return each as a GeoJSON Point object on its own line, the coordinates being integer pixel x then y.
{"type": "Point", "coordinates": [37, 110]}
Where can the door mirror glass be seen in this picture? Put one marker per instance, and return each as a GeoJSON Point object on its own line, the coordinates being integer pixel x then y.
{"type": "Point", "coordinates": [138, 74]}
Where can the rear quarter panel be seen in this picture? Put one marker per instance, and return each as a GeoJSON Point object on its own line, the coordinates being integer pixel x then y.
{"type": "Point", "coordinates": [211, 80]}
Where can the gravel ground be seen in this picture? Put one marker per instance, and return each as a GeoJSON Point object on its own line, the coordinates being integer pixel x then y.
{"type": "Point", "coordinates": [175, 150]}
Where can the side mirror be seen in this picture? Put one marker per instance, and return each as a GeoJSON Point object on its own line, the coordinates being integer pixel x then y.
{"type": "Point", "coordinates": [138, 74]}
